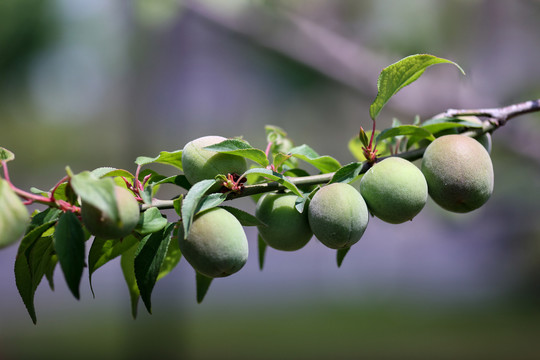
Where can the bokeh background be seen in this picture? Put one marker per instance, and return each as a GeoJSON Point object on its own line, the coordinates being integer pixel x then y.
{"type": "Point", "coordinates": [98, 83]}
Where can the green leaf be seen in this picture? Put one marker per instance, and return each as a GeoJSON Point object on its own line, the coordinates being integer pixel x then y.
{"type": "Point", "coordinates": [151, 221]}
{"type": "Point", "coordinates": [190, 205]}
{"type": "Point", "coordinates": [69, 241]}
{"type": "Point", "coordinates": [148, 260]}
{"type": "Point", "coordinates": [324, 163]}
{"type": "Point", "coordinates": [355, 147]}
{"type": "Point", "coordinates": [280, 159]}
{"type": "Point", "coordinates": [261, 250]}
{"type": "Point", "coordinates": [211, 201]}
{"type": "Point", "coordinates": [245, 218]}
{"type": "Point", "coordinates": [30, 266]}
{"type": "Point", "coordinates": [240, 148]}
{"type": "Point", "coordinates": [362, 136]}
{"type": "Point", "coordinates": [274, 133]}
{"type": "Point", "coordinates": [302, 203]}
{"type": "Point", "coordinates": [111, 172]}
{"type": "Point", "coordinates": [173, 256]}
{"type": "Point", "coordinates": [203, 283]}
{"type": "Point", "coordinates": [98, 192]}
{"type": "Point", "coordinates": [65, 192]}
{"type": "Point", "coordinates": [168, 158]}
{"type": "Point", "coordinates": [147, 194]}
{"type": "Point", "coordinates": [179, 180]}
{"type": "Point", "coordinates": [400, 74]}
{"type": "Point", "coordinates": [177, 204]}
{"type": "Point", "coordinates": [436, 128]}
{"type": "Point", "coordinates": [34, 232]}
{"type": "Point", "coordinates": [409, 130]}
{"type": "Point", "coordinates": [340, 255]}
{"type": "Point", "coordinates": [6, 155]}
{"type": "Point", "coordinates": [103, 251]}
{"type": "Point", "coordinates": [348, 172]}
{"type": "Point", "coordinates": [277, 177]}
{"type": "Point", "coordinates": [127, 262]}
{"type": "Point", "coordinates": [49, 270]}
{"type": "Point", "coordinates": [27, 264]}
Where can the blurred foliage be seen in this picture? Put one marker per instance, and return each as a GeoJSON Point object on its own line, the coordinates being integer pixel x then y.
{"type": "Point", "coordinates": [26, 28]}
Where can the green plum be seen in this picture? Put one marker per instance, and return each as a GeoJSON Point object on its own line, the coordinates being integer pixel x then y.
{"type": "Point", "coordinates": [216, 245]}
{"type": "Point", "coordinates": [13, 215]}
{"type": "Point", "coordinates": [394, 189]}
{"type": "Point", "coordinates": [200, 164]}
{"type": "Point", "coordinates": [285, 228]}
{"type": "Point", "coordinates": [459, 173]}
{"type": "Point", "coordinates": [101, 225]}
{"type": "Point", "coordinates": [338, 215]}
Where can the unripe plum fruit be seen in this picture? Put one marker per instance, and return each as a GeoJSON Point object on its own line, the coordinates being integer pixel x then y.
{"type": "Point", "coordinates": [338, 215]}
{"type": "Point", "coordinates": [394, 189]}
{"type": "Point", "coordinates": [286, 228]}
{"type": "Point", "coordinates": [101, 225]}
{"type": "Point", "coordinates": [216, 245]}
{"type": "Point", "coordinates": [13, 215]}
{"type": "Point", "coordinates": [200, 164]}
{"type": "Point", "coordinates": [459, 173]}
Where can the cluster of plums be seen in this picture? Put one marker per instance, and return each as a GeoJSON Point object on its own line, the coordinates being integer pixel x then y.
{"type": "Point", "coordinates": [456, 172]}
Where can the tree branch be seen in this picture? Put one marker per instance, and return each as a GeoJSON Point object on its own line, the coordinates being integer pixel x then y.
{"type": "Point", "coordinates": [496, 117]}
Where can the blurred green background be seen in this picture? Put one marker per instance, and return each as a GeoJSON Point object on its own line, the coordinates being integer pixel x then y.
{"type": "Point", "coordinates": [98, 83]}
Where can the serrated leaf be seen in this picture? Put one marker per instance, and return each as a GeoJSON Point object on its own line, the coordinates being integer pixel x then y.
{"type": "Point", "coordinates": [190, 204]}
{"type": "Point", "coordinates": [6, 155]}
{"type": "Point", "coordinates": [245, 218]}
{"type": "Point", "coordinates": [340, 255]}
{"type": "Point", "coordinates": [127, 262]}
{"type": "Point", "coordinates": [69, 242]}
{"type": "Point", "coordinates": [99, 193]}
{"type": "Point", "coordinates": [400, 74]}
{"type": "Point", "coordinates": [102, 251]}
{"type": "Point", "coordinates": [49, 270]}
{"type": "Point", "coordinates": [37, 228]}
{"type": "Point", "coordinates": [203, 283]}
{"type": "Point", "coordinates": [148, 260]}
{"type": "Point", "coordinates": [150, 221]}
{"type": "Point", "coordinates": [274, 176]}
{"type": "Point", "coordinates": [348, 173]}
{"type": "Point", "coordinates": [324, 163]}
{"type": "Point", "coordinates": [173, 158]}
{"type": "Point", "coordinates": [240, 148]}
{"type": "Point", "coordinates": [30, 266]}
{"type": "Point", "coordinates": [409, 130]}
{"type": "Point", "coordinates": [211, 201]}
{"type": "Point", "coordinates": [261, 246]}
{"type": "Point", "coordinates": [173, 256]}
